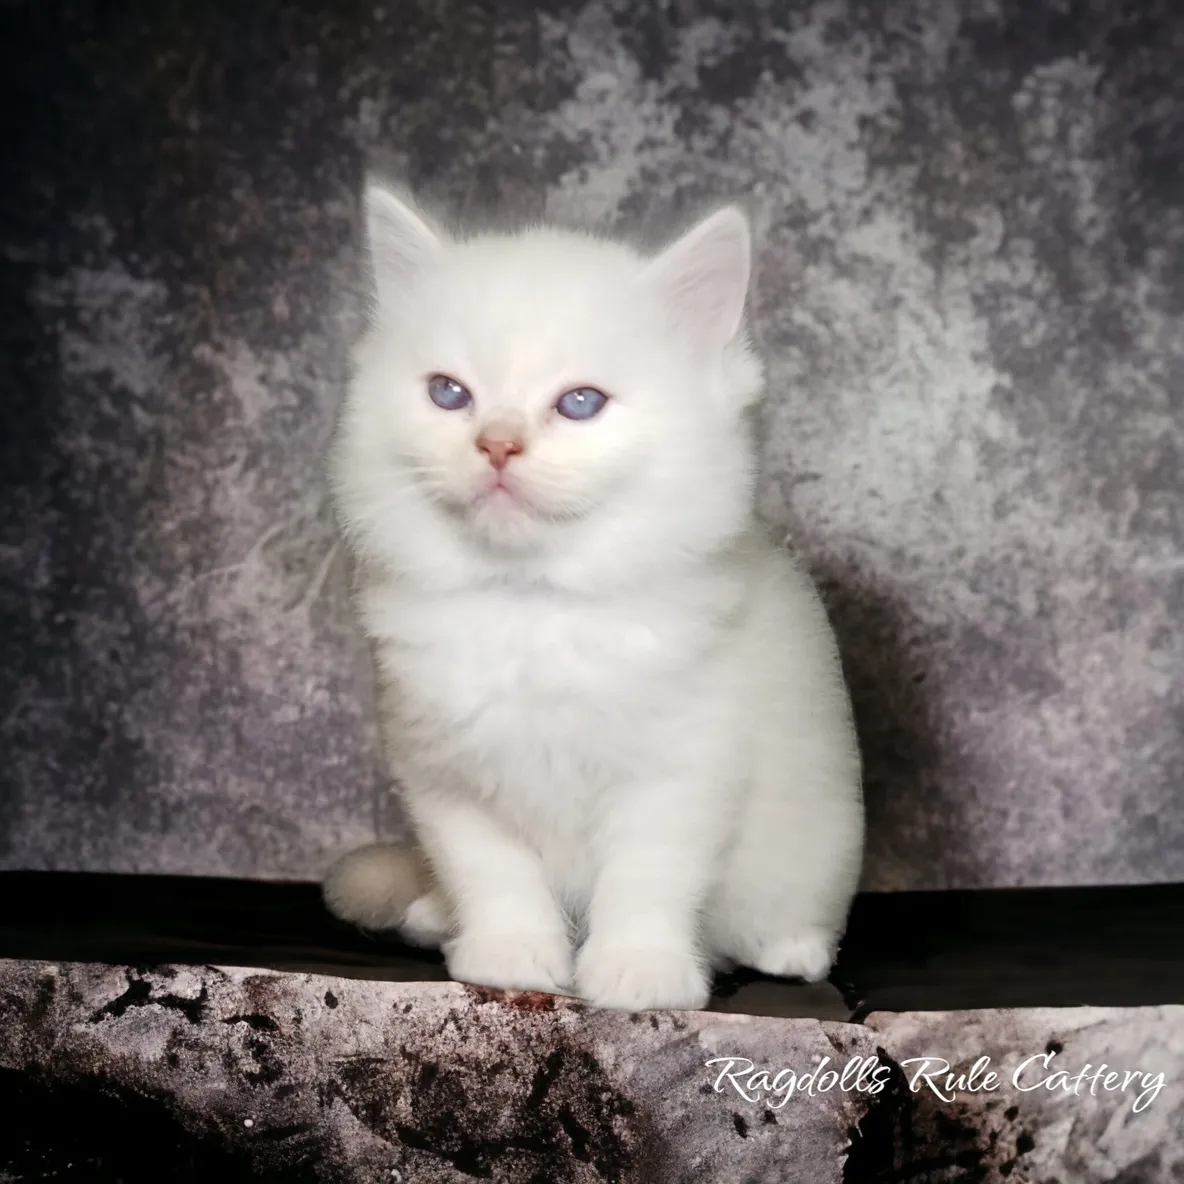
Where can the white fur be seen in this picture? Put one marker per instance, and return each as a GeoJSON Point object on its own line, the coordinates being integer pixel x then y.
{"type": "Point", "coordinates": [615, 709]}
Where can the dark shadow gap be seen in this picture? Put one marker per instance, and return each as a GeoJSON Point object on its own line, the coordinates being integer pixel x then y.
{"type": "Point", "coordinates": [950, 950]}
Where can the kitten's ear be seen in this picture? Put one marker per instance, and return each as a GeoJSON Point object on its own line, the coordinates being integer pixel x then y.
{"type": "Point", "coordinates": [703, 276]}
{"type": "Point", "coordinates": [401, 240]}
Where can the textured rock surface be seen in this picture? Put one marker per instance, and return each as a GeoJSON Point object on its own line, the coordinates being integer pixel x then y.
{"type": "Point", "coordinates": [204, 1073]}
{"type": "Point", "coordinates": [970, 292]}
{"type": "Point", "coordinates": [1038, 1126]}
{"type": "Point", "coordinates": [434, 1082]}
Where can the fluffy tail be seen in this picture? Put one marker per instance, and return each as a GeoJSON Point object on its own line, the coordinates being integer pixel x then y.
{"type": "Point", "coordinates": [374, 886]}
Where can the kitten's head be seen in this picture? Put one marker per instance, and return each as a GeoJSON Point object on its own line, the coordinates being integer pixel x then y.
{"type": "Point", "coordinates": [548, 396]}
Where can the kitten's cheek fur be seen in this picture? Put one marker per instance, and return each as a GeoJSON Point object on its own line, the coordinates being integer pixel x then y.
{"type": "Point", "coordinates": [633, 979]}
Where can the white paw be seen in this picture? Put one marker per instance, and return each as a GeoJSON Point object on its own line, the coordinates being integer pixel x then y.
{"type": "Point", "coordinates": [807, 955]}
{"type": "Point", "coordinates": [511, 961]}
{"type": "Point", "coordinates": [426, 921]}
{"type": "Point", "coordinates": [642, 979]}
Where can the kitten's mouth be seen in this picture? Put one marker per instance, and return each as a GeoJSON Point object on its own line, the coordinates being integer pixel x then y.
{"type": "Point", "coordinates": [501, 492]}
{"type": "Point", "coordinates": [502, 498]}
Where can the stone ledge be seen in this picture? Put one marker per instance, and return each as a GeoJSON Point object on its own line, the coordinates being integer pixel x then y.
{"type": "Point", "coordinates": [187, 1073]}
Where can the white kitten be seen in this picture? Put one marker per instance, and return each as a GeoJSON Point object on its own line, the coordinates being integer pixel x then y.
{"type": "Point", "coordinates": [615, 709]}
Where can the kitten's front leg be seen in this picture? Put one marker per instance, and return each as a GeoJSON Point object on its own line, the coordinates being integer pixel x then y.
{"type": "Point", "coordinates": [658, 856]}
{"type": "Point", "coordinates": [509, 932]}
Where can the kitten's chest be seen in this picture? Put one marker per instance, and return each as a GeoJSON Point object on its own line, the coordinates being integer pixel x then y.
{"type": "Point", "coordinates": [554, 677]}
{"type": "Point", "coordinates": [541, 707]}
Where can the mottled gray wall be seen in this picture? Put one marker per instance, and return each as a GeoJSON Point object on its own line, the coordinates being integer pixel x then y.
{"type": "Point", "coordinates": [970, 291]}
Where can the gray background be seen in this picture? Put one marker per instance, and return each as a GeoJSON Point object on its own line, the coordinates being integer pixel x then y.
{"type": "Point", "coordinates": [970, 292]}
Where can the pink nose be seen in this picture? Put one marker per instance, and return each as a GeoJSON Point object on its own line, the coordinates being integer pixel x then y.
{"type": "Point", "coordinates": [499, 447]}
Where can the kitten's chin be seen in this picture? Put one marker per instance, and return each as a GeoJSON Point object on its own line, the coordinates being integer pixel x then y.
{"type": "Point", "coordinates": [507, 535]}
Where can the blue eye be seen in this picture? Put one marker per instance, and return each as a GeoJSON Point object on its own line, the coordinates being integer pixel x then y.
{"type": "Point", "coordinates": [582, 403]}
{"type": "Point", "coordinates": [447, 393]}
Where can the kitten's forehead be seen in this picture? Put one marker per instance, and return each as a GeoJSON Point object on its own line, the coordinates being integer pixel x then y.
{"type": "Point", "coordinates": [545, 283]}
{"type": "Point", "coordinates": [516, 317]}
